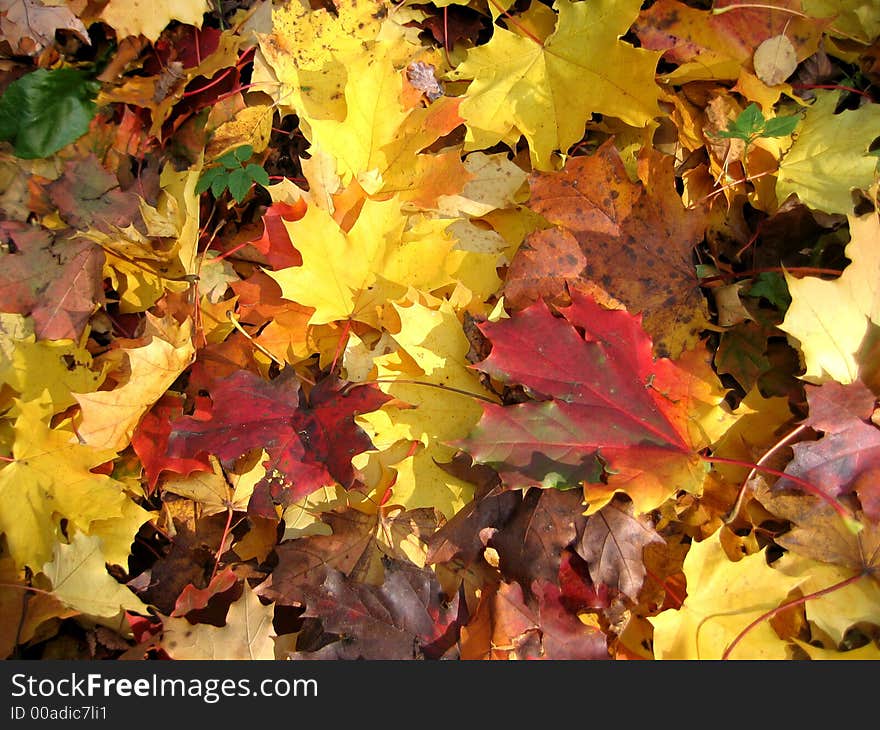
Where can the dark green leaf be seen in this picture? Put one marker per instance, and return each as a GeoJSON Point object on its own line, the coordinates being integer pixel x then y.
{"type": "Point", "coordinates": [258, 174]}
{"type": "Point", "coordinates": [245, 152]}
{"type": "Point", "coordinates": [229, 161]}
{"type": "Point", "coordinates": [771, 286]}
{"type": "Point", "coordinates": [219, 185]}
{"type": "Point", "coordinates": [780, 126]}
{"type": "Point", "coordinates": [750, 120]}
{"type": "Point", "coordinates": [44, 111]}
{"type": "Point", "coordinates": [207, 179]}
{"type": "Point", "coordinates": [239, 184]}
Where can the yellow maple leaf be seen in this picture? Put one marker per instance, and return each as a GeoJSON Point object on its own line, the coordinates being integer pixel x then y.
{"type": "Point", "coordinates": [829, 157]}
{"type": "Point", "coordinates": [839, 610]}
{"type": "Point", "coordinates": [79, 578]}
{"type": "Point", "coordinates": [50, 479]}
{"type": "Point", "coordinates": [303, 63]}
{"type": "Point", "coordinates": [149, 19]}
{"type": "Point", "coordinates": [109, 417]}
{"type": "Point", "coordinates": [29, 367]}
{"type": "Point", "coordinates": [353, 274]}
{"type": "Point", "coordinates": [546, 89]}
{"type": "Point", "coordinates": [723, 599]}
{"type": "Point", "coordinates": [379, 140]}
{"type": "Point", "coordinates": [432, 351]}
{"type": "Point", "coordinates": [247, 633]}
{"type": "Point", "coordinates": [829, 319]}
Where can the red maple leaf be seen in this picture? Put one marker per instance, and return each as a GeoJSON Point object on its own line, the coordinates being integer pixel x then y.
{"type": "Point", "coordinates": [309, 440]}
{"type": "Point", "coordinates": [602, 408]}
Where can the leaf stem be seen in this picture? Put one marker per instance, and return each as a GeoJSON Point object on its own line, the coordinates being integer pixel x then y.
{"type": "Point", "coordinates": [806, 270]}
{"type": "Point", "coordinates": [407, 381]}
{"type": "Point", "coordinates": [785, 606]}
{"type": "Point", "coordinates": [805, 485]}
{"type": "Point", "coordinates": [522, 29]}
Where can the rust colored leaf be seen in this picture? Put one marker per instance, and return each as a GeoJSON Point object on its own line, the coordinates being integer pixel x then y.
{"type": "Point", "coordinates": [632, 239]}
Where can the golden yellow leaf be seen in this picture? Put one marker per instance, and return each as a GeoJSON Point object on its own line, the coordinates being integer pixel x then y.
{"type": "Point", "coordinates": [50, 479]}
{"type": "Point", "coordinates": [79, 578]}
{"type": "Point", "coordinates": [828, 320]}
{"type": "Point", "coordinates": [547, 88]}
{"type": "Point", "coordinates": [149, 19]}
{"type": "Point", "coordinates": [109, 417]}
{"type": "Point", "coordinates": [723, 599]}
{"type": "Point", "coordinates": [247, 633]}
{"type": "Point", "coordinates": [28, 367]}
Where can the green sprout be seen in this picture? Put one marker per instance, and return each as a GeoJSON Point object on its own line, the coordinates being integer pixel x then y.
{"type": "Point", "coordinates": [232, 173]}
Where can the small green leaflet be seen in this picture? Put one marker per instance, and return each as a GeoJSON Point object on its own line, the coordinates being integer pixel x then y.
{"type": "Point", "coordinates": [751, 125]}
{"type": "Point", "coordinates": [44, 111]}
{"type": "Point", "coordinates": [229, 173]}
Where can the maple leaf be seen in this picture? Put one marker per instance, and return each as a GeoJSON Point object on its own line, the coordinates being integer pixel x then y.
{"type": "Point", "coordinates": [829, 157]}
{"type": "Point", "coordinates": [612, 543]}
{"type": "Point", "coordinates": [541, 628]}
{"type": "Point", "coordinates": [635, 240]}
{"type": "Point", "coordinates": [150, 441]}
{"type": "Point", "coordinates": [407, 617]}
{"type": "Point", "coordinates": [829, 338]}
{"type": "Point", "coordinates": [521, 84]}
{"type": "Point", "coordinates": [309, 442]}
{"type": "Point", "coordinates": [357, 548]}
{"type": "Point", "coordinates": [24, 620]}
{"type": "Point", "coordinates": [29, 26]}
{"type": "Point", "coordinates": [246, 634]}
{"type": "Point", "coordinates": [109, 417]}
{"type": "Point", "coordinates": [30, 367]}
{"type": "Point", "coordinates": [380, 139]}
{"type": "Point", "coordinates": [724, 597]}
{"type": "Point", "coordinates": [823, 551]}
{"type": "Point", "coordinates": [129, 18]}
{"type": "Point", "coordinates": [432, 350]}
{"type": "Point", "coordinates": [531, 543]}
{"type": "Point", "coordinates": [603, 403]}
{"type": "Point", "coordinates": [707, 45]}
{"type": "Point", "coordinates": [57, 283]}
{"type": "Point", "coordinates": [50, 479]}
{"type": "Point", "coordinates": [79, 578]}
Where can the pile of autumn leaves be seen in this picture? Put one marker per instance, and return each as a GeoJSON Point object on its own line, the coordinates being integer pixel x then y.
{"type": "Point", "coordinates": [414, 402]}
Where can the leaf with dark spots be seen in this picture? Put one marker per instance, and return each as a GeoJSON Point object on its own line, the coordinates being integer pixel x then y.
{"type": "Point", "coordinates": [635, 240]}
{"type": "Point", "coordinates": [613, 543]}
{"type": "Point", "coordinates": [407, 617]}
{"type": "Point", "coordinates": [530, 545]}
{"type": "Point", "coordinates": [88, 196]}
{"type": "Point", "coordinates": [54, 280]}
{"type": "Point", "coordinates": [309, 441]}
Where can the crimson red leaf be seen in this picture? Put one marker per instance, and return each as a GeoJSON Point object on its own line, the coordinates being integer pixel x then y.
{"type": "Point", "coordinates": [309, 441]}
{"type": "Point", "coordinates": [600, 401]}
{"type": "Point", "coordinates": [150, 442]}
